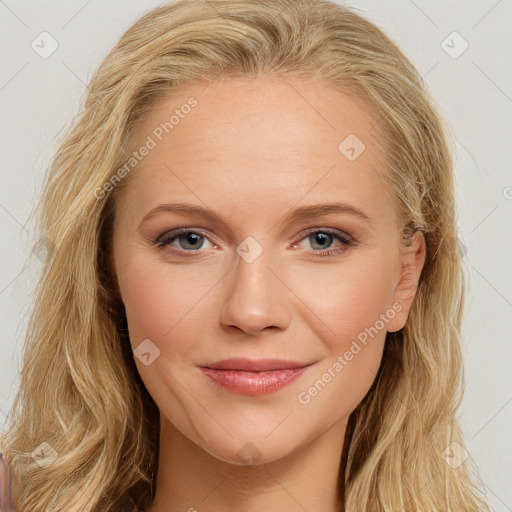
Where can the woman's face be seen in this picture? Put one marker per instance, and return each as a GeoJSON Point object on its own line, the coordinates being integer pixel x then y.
{"type": "Point", "coordinates": [251, 278]}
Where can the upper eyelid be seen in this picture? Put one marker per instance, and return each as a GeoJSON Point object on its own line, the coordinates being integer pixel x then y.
{"type": "Point", "coordinates": [174, 233]}
{"type": "Point", "coordinates": [312, 229]}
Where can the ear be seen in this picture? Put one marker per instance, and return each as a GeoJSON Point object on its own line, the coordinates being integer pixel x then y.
{"type": "Point", "coordinates": [412, 259]}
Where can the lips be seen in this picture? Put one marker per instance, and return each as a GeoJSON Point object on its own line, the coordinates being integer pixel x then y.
{"type": "Point", "coordinates": [253, 365]}
{"type": "Point", "coordinates": [253, 377]}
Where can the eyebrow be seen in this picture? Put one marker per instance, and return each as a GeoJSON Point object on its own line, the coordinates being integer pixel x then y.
{"type": "Point", "coordinates": [300, 214]}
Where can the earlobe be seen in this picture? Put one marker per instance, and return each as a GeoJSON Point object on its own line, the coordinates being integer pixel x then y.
{"type": "Point", "coordinates": [412, 260]}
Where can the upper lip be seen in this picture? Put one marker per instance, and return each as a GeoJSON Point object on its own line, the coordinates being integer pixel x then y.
{"type": "Point", "coordinates": [255, 365]}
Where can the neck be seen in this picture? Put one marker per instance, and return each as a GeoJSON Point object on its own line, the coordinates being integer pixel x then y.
{"type": "Point", "coordinates": [189, 479]}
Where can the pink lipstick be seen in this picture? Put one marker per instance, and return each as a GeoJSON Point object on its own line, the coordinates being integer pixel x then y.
{"type": "Point", "coordinates": [253, 377]}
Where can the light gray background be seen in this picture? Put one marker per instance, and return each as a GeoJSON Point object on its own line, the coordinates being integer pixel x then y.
{"type": "Point", "coordinates": [38, 96]}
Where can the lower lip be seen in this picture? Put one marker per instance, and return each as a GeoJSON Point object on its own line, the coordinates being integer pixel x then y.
{"type": "Point", "coordinates": [253, 383]}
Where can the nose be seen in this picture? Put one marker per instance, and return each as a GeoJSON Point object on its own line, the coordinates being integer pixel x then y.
{"type": "Point", "coordinates": [256, 297]}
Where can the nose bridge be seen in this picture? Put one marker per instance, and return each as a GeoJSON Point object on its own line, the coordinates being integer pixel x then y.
{"type": "Point", "coordinates": [256, 297]}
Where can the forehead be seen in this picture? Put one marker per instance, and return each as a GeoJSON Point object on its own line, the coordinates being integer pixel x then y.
{"type": "Point", "coordinates": [247, 142]}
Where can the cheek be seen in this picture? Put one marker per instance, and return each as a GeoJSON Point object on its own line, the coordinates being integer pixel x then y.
{"type": "Point", "coordinates": [354, 306]}
{"type": "Point", "coordinates": [351, 298]}
{"type": "Point", "coordinates": [164, 306]}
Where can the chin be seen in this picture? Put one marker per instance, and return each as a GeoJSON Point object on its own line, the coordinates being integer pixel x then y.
{"type": "Point", "coordinates": [246, 450]}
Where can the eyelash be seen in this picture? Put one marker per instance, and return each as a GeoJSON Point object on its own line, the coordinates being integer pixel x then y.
{"type": "Point", "coordinates": [165, 239]}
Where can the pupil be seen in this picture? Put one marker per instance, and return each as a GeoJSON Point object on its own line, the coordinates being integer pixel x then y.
{"type": "Point", "coordinates": [321, 237]}
{"type": "Point", "coordinates": [192, 238]}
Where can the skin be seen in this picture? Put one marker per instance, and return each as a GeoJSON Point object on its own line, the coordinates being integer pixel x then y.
{"type": "Point", "coordinates": [252, 151]}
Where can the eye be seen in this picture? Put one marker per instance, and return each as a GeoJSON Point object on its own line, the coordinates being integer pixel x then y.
{"type": "Point", "coordinates": [187, 239]}
{"type": "Point", "coordinates": [323, 238]}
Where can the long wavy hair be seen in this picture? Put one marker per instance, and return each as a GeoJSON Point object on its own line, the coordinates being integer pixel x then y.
{"type": "Point", "coordinates": [83, 430]}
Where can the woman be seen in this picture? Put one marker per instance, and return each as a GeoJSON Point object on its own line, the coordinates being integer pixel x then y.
{"type": "Point", "coordinates": [193, 346]}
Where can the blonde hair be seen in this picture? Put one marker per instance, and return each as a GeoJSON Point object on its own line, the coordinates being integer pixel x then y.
{"type": "Point", "coordinates": [80, 391]}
